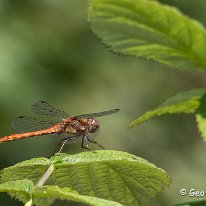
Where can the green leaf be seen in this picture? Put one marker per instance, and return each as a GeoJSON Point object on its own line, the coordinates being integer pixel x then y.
{"type": "Point", "coordinates": [193, 101]}
{"type": "Point", "coordinates": [111, 175]}
{"type": "Point", "coordinates": [184, 102]}
{"type": "Point", "coordinates": [67, 193]}
{"type": "Point", "coordinates": [201, 117]}
{"type": "Point", "coordinates": [42, 195]}
{"type": "Point", "coordinates": [195, 203]}
{"type": "Point", "coordinates": [24, 186]}
{"type": "Point", "coordinates": [19, 189]}
{"type": "Point", "coordinates": [150, 29]}
{"type": "Point", "coordinates": [201, 123]}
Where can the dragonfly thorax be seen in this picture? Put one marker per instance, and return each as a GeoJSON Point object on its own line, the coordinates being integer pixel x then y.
{"type": "Point", "coordinates": [81, 126]}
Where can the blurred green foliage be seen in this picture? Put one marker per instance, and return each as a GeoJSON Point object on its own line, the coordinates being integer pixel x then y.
{"type": "Point", "coordinates": [48, 52]}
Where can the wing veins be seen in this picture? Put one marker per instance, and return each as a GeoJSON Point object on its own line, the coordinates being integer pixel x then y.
{"type": "Point", "coordinates": [98, 114]}
{"type": "Point", "coordinates": [29, 124]}
{"type": "Point", "coordinates": [43, 108]}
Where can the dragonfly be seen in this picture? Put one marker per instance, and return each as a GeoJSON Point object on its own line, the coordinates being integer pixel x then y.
{"type": "Point", "coordinates": [68, 127]}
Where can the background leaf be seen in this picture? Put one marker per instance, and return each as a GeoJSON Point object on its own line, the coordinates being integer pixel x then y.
{"type": "Point", "coordinates": [194, 203]}
{"type": "Point", "coordinates": [183, 102]}
{"type": "Point", "coordinates": [201, 117]}
{"type": "Point", "coordinates": [112, 175]}
{"type": "Point", "coordinates": [193, 101]}
{"type": "Point", "coordinates": [201, 123]}
{"type": "Point", "coordinates": [150, 29]}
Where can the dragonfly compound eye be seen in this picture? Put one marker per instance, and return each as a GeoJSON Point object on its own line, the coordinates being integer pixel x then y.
{"type": "Point", "coordinates": [94, 125]}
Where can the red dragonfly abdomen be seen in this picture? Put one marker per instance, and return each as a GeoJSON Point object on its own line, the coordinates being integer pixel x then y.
{"type": "Point", "coordinates": [12, 137]}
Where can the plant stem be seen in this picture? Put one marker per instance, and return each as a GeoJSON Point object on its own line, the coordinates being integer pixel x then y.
{"type": "Point", "coordinates": [41, 182]}
{"type": "Point", "coordinates": [45, 177]}
{"type": "Point", "coordinates": [29, 203]}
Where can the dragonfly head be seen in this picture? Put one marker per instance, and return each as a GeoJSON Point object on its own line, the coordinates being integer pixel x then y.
{"type": "Point", "coordinates": [93, 125]}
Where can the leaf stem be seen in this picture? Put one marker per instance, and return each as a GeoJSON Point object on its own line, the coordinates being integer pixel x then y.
{"type": "Point", "coordinates": [45, 177]}
{"type": "Point", "coordinates": [41, 182]}
{"type": "Point", "coordinates": [29, 203]}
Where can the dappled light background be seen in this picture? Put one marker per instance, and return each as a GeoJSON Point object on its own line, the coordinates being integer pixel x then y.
{"type": "Point", "coordinates": [48, 52]}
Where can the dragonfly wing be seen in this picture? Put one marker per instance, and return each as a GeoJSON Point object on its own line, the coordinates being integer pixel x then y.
{"type": "Point", "coordinates": [98, 114]}
{"type": "Point", "coordinates": [43, 108]}
{"type": "Point", "coordinates": [28, 124]}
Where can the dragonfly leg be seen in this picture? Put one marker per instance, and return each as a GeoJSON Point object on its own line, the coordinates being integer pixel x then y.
{"type": "Point", "coordinates": [64, 140]}
{"type": "Point", "coordinates": [85, 143]}
{"type": "Point", "coordinates": [95, 142]}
